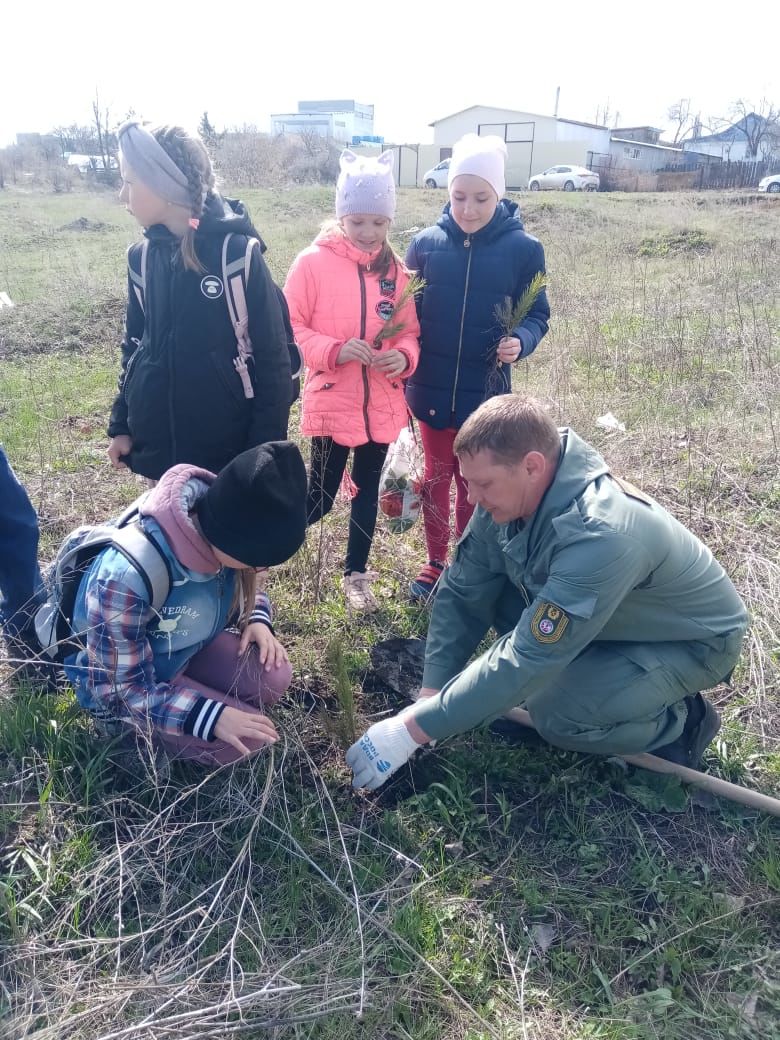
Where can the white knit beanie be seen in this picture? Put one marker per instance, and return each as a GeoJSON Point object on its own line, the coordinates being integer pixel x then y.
{"type": "Point", "coordinates": [365, 185]}
{"type": "Point", "coordinates": [483, 157]}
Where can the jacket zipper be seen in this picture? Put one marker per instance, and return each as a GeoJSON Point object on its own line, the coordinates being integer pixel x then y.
{"type": "Point", "coordinates": [363, 369]}
{"type": "Point", "coordinates": [467, 245]}
{"type": "Point", "coordinates": [171, 424]}
{"type": "Point", "coordinates": [131, 362]}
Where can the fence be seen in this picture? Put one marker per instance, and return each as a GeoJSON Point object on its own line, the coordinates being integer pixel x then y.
{"type": "Point", "coordinates": [679, 177]}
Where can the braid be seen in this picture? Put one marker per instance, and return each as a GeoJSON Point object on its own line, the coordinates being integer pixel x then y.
{"type": "Point", "coordinates": [191, 157]}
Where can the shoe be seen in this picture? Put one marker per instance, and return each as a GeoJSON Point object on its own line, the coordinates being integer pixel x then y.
{"type": "Point", "coordinates": [423, 588]}
{"type": "Point", "coordinates": [358, 594]}
{"type": "Point", "coordinates": [701, 726]}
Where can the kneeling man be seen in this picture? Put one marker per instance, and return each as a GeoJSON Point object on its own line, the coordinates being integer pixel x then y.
{"type": "Point", "coordinates": [611, 616]}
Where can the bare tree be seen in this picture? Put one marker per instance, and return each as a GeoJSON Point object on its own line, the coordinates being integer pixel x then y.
{"type": "Point", "coordinates": [603, 113]}
{"type": "Point", "coordinates": [684, 122]}
{"type": "Point", "coordinates": [759, 125]}
{"type": "Point", "coordinates": [104, 135]}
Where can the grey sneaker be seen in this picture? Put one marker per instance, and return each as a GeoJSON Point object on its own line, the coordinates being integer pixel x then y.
{"type": "Point", "coordinates": [358, 594]}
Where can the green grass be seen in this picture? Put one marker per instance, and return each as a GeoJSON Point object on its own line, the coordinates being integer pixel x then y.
{"type": "Point", "coordinates": [490, 890]}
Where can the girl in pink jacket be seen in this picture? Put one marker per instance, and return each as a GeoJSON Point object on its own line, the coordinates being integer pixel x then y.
{"type": "Point", "coordinates": [345, 296]}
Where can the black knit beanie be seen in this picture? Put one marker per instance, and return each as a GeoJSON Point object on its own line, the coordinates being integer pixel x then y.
{"type": "Point", "coordinates": [255, 511]}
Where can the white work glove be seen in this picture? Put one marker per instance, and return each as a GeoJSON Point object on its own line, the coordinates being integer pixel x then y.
{"type": "Point", "coordinates": [380, 752]}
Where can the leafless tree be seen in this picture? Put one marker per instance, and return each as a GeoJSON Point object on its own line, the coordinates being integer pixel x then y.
{"type": "Point", "coordinates": [104, 135]}
{"type": "Point", "coordinates": [759, 124]}
{"type": "Point", "coordinates": [679, 114]}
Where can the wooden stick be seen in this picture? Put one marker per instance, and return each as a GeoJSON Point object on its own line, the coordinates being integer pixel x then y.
{"type": "Point", "coordinates": [735, 793]}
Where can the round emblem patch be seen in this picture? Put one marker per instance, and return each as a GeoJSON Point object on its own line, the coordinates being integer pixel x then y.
{"type": "Point", "coordinates": [549, 623]}
{"type": "Point", "coordinates": [211, 287]}
{"type": "Point", "coordinates": [384, 309]}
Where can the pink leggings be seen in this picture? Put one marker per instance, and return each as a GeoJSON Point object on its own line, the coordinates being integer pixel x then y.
{"type": "Point", "coordinates": [441, 465]}
{"type": "Point", "coordinates": [219, 673]}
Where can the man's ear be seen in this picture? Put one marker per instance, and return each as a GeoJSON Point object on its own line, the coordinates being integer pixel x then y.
{"type": "Point", "coordinates": [535, 464]}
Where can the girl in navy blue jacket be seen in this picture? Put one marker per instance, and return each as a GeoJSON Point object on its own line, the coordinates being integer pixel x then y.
{"type": "Point", "coordinates": [476, 260]}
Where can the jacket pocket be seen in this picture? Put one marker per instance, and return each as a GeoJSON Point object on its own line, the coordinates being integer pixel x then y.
{"type": "Point", "coordinates": [228, 377]}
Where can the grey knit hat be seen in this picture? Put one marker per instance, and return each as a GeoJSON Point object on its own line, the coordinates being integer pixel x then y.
{"type": "Point", "coordinates": [365, 185]}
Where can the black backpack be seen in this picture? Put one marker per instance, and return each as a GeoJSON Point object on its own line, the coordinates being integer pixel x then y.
{"type": "Point", "coordinates": [236, 262]}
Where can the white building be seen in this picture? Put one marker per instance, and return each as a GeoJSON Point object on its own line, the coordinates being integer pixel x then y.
{"type": "Point", "coordinates": [337, 119]}
{"type": "Point", "coordinates": [534, 142]}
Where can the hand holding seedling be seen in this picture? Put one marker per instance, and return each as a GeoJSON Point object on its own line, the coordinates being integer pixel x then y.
{"type": "Point", "coordinates": [509, 349]}
{"type": "Point", "coordinates": [390, 362]}
{"type": "Point", "coordinates": [355, 350]}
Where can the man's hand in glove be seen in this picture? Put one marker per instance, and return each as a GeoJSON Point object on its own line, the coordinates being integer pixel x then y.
{"type": "Point", "coordinates": [381, 751]}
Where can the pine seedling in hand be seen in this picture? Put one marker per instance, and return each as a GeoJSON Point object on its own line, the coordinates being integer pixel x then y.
{"type": "Point", "coordinates": [392, 326]}
{"type": "Point", "coordinates": [509, 316]}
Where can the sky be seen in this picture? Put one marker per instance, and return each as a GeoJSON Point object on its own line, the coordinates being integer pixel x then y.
{"type": "Point", "coordinates": [415, 62]}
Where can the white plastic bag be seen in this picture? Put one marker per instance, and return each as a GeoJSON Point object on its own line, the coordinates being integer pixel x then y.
{"type": "Point", "coordinates": [401, 480]}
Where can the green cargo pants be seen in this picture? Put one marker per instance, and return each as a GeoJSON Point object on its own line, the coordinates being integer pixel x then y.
{"type": "Point", "coordinates": [623, 698]}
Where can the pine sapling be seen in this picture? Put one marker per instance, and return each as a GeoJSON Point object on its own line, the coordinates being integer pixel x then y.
{"type": "Point", "coordinates": [509, 316]}
{"type": "Point", "coordinates": [393, 326]}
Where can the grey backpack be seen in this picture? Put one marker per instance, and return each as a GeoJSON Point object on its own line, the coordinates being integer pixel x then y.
{"type": "Point", "coordinates": [54, 619]}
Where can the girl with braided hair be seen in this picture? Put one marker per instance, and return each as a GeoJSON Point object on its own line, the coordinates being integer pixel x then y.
{"type": "Point", "coordinates": [186, 392]}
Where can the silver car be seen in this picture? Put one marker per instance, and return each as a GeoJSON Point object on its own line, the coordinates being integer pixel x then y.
{"type": "Point", "coordinates": [437, 177]}
{"type": "Point", "coordinates": [770, 183]}
{"type": "Point", "coordinates": [565, 178]}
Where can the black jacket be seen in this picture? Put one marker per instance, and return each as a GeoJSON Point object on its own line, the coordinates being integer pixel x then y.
{"type": "Point", "coordinates": [180, 398]}
{"type": "Point", "coordinates": [466, 278]}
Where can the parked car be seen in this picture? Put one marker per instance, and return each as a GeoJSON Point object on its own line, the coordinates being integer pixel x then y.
{"type": "Point", "coordinates": [770, 183]}
{"type": "Point", "coordinates": [437, 177]}
{"type": "Point", "coordinates": [567, 178]}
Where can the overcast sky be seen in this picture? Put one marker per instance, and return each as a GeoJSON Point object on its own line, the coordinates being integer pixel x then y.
{"type": "Point", "coordinates": [415, 62]}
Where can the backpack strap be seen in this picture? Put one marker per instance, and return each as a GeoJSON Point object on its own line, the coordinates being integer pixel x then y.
{"type": "Point", "coordinates": [235, 274]}
{"type": "Point", "coordinates": [147, 557]}
{"type": "Point", "coordinates": [138, 276]}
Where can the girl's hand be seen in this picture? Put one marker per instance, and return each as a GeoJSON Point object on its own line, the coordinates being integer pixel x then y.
{"type": "Point", "coordinates": [234, 726]}
{"type": "Point", "coordinates": [509, 349]}
{"type": "Point", "coordinates": [390, 363]}
{"type": "Point", "coordinates": [118, 446]}
{"type": "Point", "coordinates": [355, 350]}
{"type": "Point", "coordinates": [272, 653]}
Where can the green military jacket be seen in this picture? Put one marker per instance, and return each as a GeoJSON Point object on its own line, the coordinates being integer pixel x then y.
{"type": "Point", "coordinates": [598, 561]}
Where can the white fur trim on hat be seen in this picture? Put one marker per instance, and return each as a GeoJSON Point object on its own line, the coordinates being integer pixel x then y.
{"type": "Point", "coordinates": [365, 185]}
{"type": "Point", "coordinates": [483, 157]}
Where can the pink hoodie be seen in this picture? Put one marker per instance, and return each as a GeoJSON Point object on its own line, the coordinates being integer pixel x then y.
{"type": "Point", "coordinates": [333, 298]}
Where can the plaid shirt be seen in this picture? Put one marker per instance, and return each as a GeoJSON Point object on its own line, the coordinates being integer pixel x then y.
{"type": "Point", "coordinates": [120, 670]}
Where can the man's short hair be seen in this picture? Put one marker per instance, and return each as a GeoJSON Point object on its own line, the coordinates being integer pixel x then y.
{"type": "Point", "coordinates": [509, 426]}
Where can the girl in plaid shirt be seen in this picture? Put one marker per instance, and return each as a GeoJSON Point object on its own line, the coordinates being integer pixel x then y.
{"type": "Point", "coordinates": [179, 673]}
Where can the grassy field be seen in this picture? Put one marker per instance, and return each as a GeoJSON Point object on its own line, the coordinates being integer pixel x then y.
{"type": "Point", "coordinates": [491, 890]}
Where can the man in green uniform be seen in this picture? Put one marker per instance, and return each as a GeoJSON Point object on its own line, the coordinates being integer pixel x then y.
{"type": "Point", "coordinates": [611, 616]}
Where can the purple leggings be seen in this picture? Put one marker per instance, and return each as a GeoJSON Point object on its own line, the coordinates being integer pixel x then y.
{"type": "Point", "coordinates": [219, 673]}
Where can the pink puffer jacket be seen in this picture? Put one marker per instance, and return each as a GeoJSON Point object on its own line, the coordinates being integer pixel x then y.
{"type": "Point", "coordinates": [333, 298]}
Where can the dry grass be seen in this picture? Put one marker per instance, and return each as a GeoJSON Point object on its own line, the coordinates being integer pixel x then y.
{"type": "Point", "coordinates": [491, 890]}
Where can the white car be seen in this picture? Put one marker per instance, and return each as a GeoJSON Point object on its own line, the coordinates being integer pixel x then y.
{"type": "Point", "coordinates": [437, 177]}
{"type": "Point", "coordinates": [567, 178]}
{"type": "Point", "coordinates": [770, 183]}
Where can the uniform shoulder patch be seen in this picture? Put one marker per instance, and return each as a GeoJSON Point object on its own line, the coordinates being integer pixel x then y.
{"type": "Point", "coordinates": [549, 623]}
{"type": "Point", "coordinates": [633, 492]}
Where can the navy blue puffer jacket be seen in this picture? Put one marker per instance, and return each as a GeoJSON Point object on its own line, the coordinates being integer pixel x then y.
{"type": "Point", "coordinates": [466, 278]}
